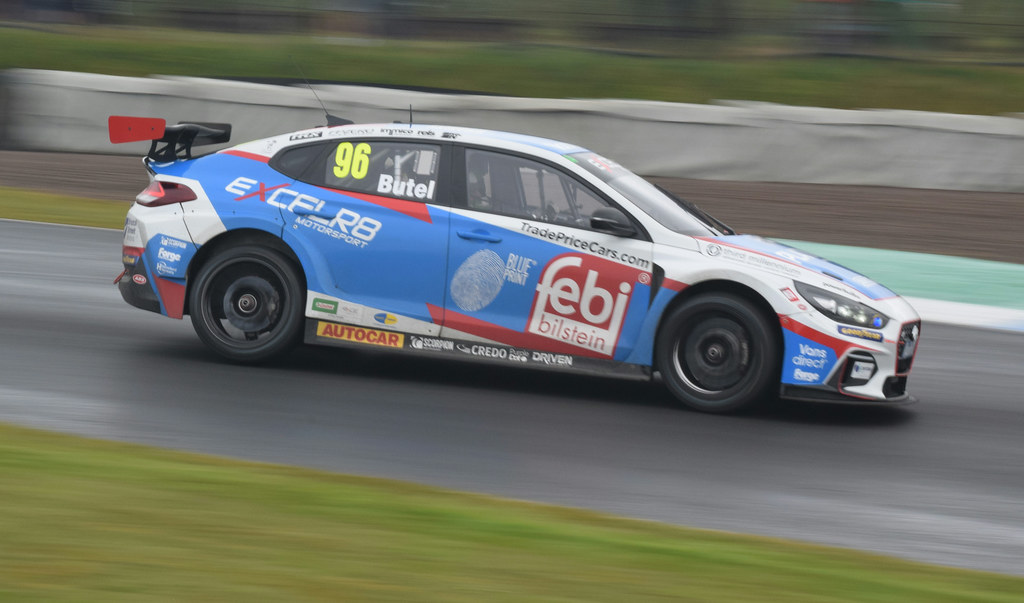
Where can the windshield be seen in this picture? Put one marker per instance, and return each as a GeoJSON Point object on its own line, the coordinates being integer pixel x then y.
{"type": "Point", "coordinates": [671, 212]}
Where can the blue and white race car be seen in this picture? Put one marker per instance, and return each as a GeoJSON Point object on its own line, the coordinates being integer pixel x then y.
{"type": "Point", "coordinates": [500, 247]}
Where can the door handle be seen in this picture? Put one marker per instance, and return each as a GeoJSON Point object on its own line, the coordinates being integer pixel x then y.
{"type": "Point", "coordinates": [478, 235]}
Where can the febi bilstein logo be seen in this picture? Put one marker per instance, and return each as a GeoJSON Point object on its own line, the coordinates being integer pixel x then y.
{"type": "Point", "coordinates": [582, 301]}
{"type": "Point", "coordinates": [385, 319]}
{"type": "Point", "coordinates": [325, 305]}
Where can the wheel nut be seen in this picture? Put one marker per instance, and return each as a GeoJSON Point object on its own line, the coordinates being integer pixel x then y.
{"type": "Point", "coordinates": [247, 303]}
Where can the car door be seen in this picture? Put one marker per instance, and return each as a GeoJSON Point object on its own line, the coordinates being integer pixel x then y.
{"type": "Point", "coordinates": [368, 213]}
{"type": "Point", "coordinates": [527, 269]}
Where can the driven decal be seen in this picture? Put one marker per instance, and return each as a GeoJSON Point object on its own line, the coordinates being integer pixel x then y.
{"type": "Point", "coordinates": [360, 335]}
{"type": "Point", "coordinates": [582, 301]}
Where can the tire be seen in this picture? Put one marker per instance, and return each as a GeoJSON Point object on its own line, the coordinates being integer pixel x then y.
{"type": "Point", "coordinates": [718, 353]}
{"type": "Point", "coordinates": [247, 304]}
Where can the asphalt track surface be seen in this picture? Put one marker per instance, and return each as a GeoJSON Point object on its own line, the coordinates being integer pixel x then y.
{"type": "Point", "coordinates": [941, 481]}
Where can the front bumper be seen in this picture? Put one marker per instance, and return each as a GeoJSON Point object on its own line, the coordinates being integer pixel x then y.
{"type": "Point", "coordinates": [861, 366]}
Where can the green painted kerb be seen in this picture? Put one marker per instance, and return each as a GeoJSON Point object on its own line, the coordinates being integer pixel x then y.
{"type": "Point", "coordinates": [941, 277]}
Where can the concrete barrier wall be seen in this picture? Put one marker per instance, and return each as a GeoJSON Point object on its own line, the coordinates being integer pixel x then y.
{"type": "Point", "coordinates": [61, 111]}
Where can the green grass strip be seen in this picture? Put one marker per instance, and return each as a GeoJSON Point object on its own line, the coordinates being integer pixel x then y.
{"type": "Point", "coordinates": [18, 204]}
{"type": "Point", "coordinates": [87, 520]}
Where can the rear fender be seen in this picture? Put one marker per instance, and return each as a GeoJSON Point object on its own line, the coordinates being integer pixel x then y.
{"type": "Point", "coordinates": [166, 251]}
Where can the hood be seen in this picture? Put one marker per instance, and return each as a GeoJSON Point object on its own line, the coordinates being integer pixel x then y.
{"type": "Point", "coordinates": [792, 255]}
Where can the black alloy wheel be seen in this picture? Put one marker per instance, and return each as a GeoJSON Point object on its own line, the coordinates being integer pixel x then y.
{"type": "Point", "coordinates": [247, 303]}
{"type": "Point", "coordinates": [718, 353]}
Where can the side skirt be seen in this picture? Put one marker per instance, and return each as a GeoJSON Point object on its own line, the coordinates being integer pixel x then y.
{"type": "Point", "coordinates": [322, 332]}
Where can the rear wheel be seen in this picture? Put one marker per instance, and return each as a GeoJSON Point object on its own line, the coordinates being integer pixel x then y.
{"type": "Point", "coordinates": [718, 353]}
{"type": "Point", "coordinates": [246, 303]}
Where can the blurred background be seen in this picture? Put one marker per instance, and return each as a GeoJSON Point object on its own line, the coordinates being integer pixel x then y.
{"type": "Point", "coordinates": [935, 27]}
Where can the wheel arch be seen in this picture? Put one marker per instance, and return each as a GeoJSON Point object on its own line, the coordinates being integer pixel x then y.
{"type": "Point", "coordinates": [722, 286]}
{"type": "Point", "coordinates": [231, 238]}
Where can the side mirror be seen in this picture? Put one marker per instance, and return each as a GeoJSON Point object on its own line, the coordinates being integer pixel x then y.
{"type": "Point", "coordinates": [612, 221]}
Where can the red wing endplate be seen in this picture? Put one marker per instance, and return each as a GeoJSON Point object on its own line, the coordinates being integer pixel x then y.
{"type": "Point", "coordinates": [132, 129]}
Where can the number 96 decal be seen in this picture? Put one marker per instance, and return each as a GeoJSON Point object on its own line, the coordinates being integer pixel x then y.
{"type": "Point", "coordinates": [352, 160]}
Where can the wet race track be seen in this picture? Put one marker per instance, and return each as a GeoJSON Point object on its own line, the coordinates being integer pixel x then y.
{"type": "Point", "coordinates": [940, 481]}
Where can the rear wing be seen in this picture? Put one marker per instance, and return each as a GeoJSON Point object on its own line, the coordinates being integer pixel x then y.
{"type": "Point", "coordinates": [169, 143]}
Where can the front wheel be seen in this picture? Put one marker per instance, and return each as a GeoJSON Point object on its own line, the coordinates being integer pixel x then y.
{"type": "Point", "coordinates": [718, 353]}
{"type": "Point", "coordinates": [247, 303]}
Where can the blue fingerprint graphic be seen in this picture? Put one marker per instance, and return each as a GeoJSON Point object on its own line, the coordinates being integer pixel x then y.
{"type": "Point", "coordinates": [478, 280]}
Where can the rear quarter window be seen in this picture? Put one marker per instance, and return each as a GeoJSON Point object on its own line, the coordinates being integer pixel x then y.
{"type": "Point", "coordinates": [403, 170]}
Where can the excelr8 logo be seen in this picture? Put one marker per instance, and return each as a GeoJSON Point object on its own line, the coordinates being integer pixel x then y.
{"type": "Point", "coordinates": [582, 301]}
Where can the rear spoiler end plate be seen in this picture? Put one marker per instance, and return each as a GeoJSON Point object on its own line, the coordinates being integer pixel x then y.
{"type": "Point", "coordinates": [168, 143]}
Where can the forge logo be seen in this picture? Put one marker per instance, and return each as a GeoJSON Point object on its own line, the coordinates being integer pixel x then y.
{"type": "Point", "coordinates": [582, 301]}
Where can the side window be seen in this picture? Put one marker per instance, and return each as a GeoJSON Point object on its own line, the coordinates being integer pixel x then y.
{"type": "Point", "coordinates": [403, 170]}
{"type": "Point", "coordinates": [514, 186]}
{"type": "Point", "coordinates": [296, 161]}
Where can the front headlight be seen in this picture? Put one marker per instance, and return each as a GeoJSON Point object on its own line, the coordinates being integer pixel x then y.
{"type": "Point", "coordinates": [841, 309]}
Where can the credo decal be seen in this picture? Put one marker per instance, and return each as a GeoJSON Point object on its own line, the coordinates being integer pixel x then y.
{"type": "Point", "coordinates": [582, 301]}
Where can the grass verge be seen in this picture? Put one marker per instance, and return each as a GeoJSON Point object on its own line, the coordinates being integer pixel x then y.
{"type": "Point", "coordinates": [19, 204]}
{"type": "Point", "coordinates": [91, 520]}
{"type": "Point", "coordinates": [524, 69]}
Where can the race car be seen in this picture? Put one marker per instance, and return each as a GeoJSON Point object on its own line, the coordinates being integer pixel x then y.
{"type": "Point", "coordinates": [498, 247]}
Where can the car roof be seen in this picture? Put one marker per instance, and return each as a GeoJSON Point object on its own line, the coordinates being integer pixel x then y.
{"type": "Point", "coordinates": [441, 133]}
{"type": "Point", "coordinates": [524, 143]}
